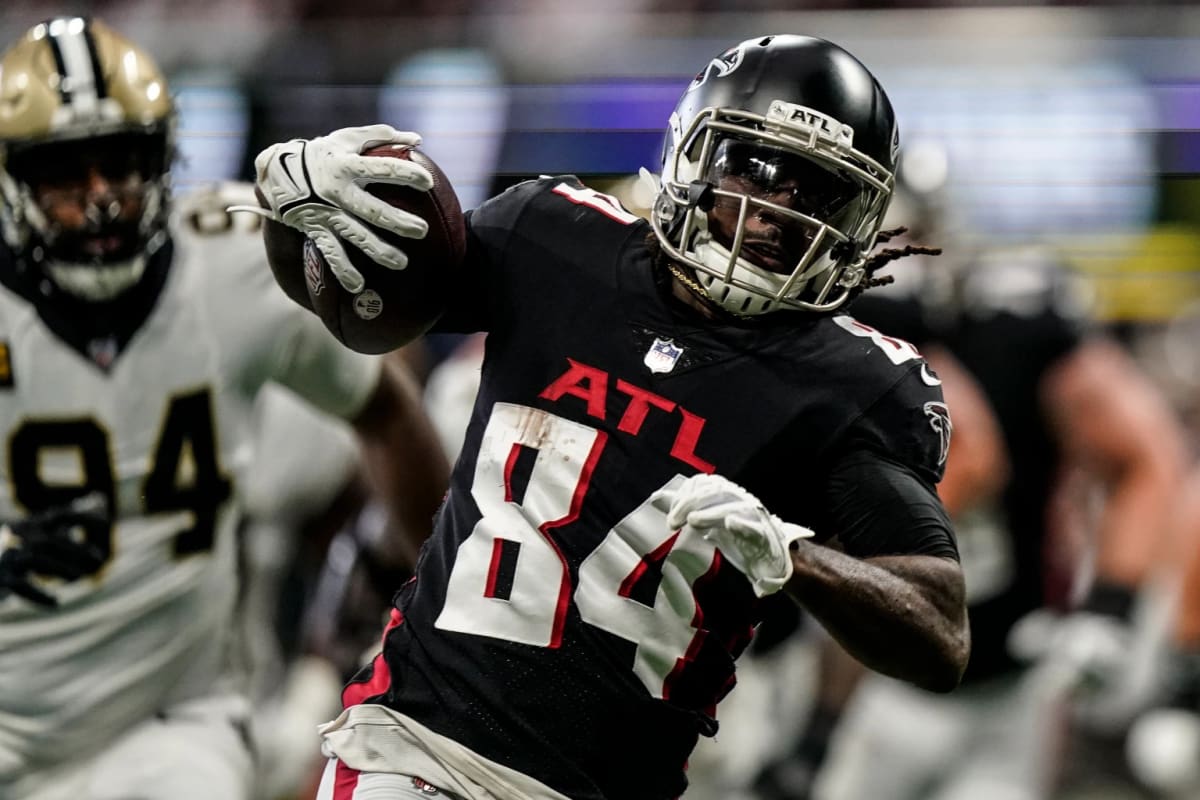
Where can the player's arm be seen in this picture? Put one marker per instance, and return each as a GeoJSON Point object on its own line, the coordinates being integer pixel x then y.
{"type": "Point", "coordinates": [1117, 426]}
{"type": "Point", "coordinates": [403, 459]}
{"type": "Point", "coordinates": [895, 600]}
{"type": "Point", "coordinates": [405, 463]}
{"type": "Point", "coordinates": [901, 612]}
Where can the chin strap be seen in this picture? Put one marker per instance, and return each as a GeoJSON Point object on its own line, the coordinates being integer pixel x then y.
{"type": "Point", "coordinates": [96, 283]}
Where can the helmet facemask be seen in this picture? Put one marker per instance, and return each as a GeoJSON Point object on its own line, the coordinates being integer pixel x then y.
{"type": "Point", "coordinates": [91, 210]}
{"type": "Point", "coordinates": [817, 204]}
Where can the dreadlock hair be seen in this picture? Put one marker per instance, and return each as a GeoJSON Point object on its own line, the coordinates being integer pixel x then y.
{"type": "Point", "coordinates": [881, 258]}
{"type": "Point", "coordinates": [875, 261]}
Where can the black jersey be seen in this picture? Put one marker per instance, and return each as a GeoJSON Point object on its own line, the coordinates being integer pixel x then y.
{"type": "Point", "coordinates": [1016, 321]}
{"type": "Point", "coordinates": [555, 624]}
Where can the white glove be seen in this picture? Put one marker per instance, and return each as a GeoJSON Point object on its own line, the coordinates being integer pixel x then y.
{"type": "Point", "coordinates": [750, 538]}
{"type": "Point", "coordinates": [1096, 658]}
{"type": "Point", "coordinates": [317, 187]}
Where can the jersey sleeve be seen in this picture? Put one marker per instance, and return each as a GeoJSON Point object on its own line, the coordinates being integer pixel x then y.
{"type": "Point", "coordinates": [310, 362]}
{"type": "Point", "coordinates": [910, 424]}
{"type": "Point", "coordinates": [266, 337]}
{"type": "Point", "coordinates": [879, 486]}
{"type": "Point", "coordinates": [875, 506]}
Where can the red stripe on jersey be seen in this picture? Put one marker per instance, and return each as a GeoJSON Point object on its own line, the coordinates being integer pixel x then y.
{"type": "Point", "coordinates": [697, 622]}
{"type": "Point", "coordinates": [564, 588]}
{"type": "Point", "coordinates": [345, 781]}
{"type": "Point", "coordinates": [632, 578]}
{"type": "Point", "coordinates": [381, 676]}
{"type": "Point", "coordinates": [509, 465]}
{"type": "Point", "coordinates": [494, 568]}
{"type": "Point", "coordinates": [654, 557]}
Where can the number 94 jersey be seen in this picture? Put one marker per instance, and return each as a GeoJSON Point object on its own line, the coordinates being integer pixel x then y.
{"type": "Point", "coordinates": [556, 625]}
{"type": "Point", "coordinates": [156, 419]}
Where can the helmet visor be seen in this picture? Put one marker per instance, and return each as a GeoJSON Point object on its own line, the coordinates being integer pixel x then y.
{"type": "Point", "coordinates": [787, 198]}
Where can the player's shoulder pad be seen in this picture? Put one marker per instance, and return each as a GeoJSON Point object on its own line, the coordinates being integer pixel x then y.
{"type": "Point", "coordinates": [882, 357]}
{"type": "Point", "coordinates": [911, 422]}
{"type": "Point", "coordinates": [225, 246]}
{"type": "Point", "coordinates": [906, 417]}
{"type": "Point", "coordinates": [552, 199]}
{"type": "Point", "coordinates": [205, 211]}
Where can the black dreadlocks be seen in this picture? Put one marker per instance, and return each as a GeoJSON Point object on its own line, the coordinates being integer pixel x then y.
{"type": "Point", "coordinates": [881, 258]}
{"type": "Point", "coordinates": [874, 263]}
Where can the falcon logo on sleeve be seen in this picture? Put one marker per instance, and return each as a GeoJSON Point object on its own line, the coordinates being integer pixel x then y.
{"type": "Point", "coordinates": [939, 420]}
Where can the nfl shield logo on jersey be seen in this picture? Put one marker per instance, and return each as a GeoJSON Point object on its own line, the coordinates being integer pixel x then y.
{"type": "Point", "coordinates": [662, 355]}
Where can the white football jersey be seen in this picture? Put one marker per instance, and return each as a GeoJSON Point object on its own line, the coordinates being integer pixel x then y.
{"type": "Point", "coordinates": [166, 431]}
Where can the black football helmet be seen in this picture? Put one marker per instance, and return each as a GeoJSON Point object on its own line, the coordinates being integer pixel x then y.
{"type": "Point", "coordinates": [790, 128]}
{"type": "Point", "coordinates": [75, 96]}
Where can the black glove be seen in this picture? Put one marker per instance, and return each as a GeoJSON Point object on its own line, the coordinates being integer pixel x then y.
{"type": "Point", "coordinates": [49, 543]}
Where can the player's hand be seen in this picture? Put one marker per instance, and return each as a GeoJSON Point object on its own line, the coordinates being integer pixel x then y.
{"type": "Point", "coordinates": [318, 187]}
{"type": "Point", "coordinates": [51, 544]}
{"type": "Point", "coordinates": [1102, 661]}
{"type": "Point", "coordinates": [753, 540]}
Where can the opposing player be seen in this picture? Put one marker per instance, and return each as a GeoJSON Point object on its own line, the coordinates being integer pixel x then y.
{"type": "Point", "coordinates": [134, 337]}
{"type": "Point", "coordinates": [648, 392]}
{"type": "Point", "coordinates": [1073, 400]}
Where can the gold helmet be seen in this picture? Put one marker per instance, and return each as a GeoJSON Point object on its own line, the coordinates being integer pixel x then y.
{"type": "Point", "coordinates": [76, 96]}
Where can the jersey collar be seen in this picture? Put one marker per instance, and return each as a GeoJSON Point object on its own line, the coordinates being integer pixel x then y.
{"type": "Point", "coordinates": [99, 332]}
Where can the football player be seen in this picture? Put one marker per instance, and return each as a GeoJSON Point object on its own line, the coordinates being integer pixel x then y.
{"type": "Point", "coordinates": [673, 423]}
{"type": "Point", "coordinates": [135, 335]}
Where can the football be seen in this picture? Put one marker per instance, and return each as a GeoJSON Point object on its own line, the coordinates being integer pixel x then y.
{"type": "Point", "coordinates": [395, 307]}
{"type": "Point", "coordinates": [285, 255]}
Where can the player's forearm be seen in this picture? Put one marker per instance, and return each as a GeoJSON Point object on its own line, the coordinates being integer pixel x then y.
{"type": "Point", "coordinates": [405, 461]}
{"type": "Point", "coordinates": [1135, 527]}
{"type": "Point", "coordinates": [903, 616]}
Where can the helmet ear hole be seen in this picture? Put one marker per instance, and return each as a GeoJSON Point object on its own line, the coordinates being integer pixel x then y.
{"type": "Point", "coordinates": [846, 252]}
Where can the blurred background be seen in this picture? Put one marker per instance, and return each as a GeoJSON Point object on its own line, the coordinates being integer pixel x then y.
{"type": "Point", "coordinates": [1047, 133]}
{"type": "Point", "coordinates": [1071, 124]}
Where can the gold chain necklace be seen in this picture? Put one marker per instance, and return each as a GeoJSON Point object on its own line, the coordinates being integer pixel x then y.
{"type": "Point", "coordinates": [698, 290]}
{"type": "Point", "coordinates": [687, 281]}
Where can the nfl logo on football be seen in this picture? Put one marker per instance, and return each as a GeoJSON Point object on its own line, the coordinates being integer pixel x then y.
{"type": "Point", "coordinates": [312, 268]}
{"type": "Point", "coordinates": [662, 355]}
